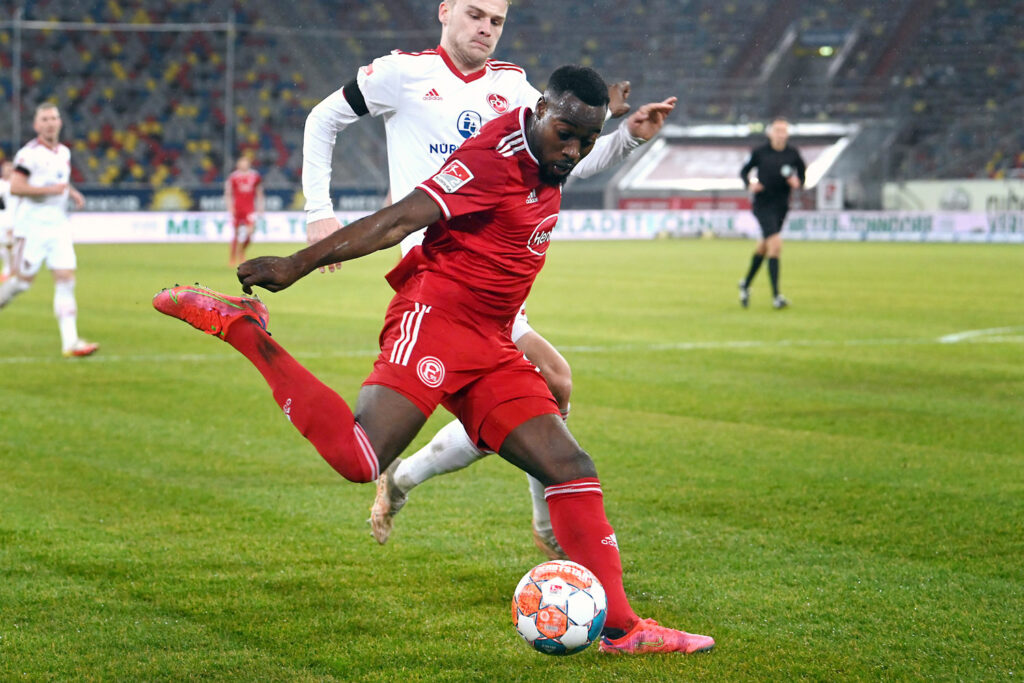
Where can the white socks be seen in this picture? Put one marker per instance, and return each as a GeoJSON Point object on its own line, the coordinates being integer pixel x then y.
{"type": "Point", "coordinates": [66, 310]}
{"type": "Point", "coordinates": [451, 450]}
{"type": "Point", "coordinates": [448, 451]}
{"type": "Point", "coordinates": [541, 516]}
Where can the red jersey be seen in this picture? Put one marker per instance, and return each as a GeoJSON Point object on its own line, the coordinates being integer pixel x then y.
{"type": "Point", "coordinates": [243, 191]}
{"type": "Point", "coordinates": [484, 254]}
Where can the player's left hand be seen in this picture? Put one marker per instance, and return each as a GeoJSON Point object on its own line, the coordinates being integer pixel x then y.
{"type": "Point", "coordinates": [618, 93]}
{"type": "Point", "coordinates": [272, 273]}
{"type": "Point", "coordinates": [77, 198]}
{"type": "Point", "coordinates": [794, 182]}
{"type": "Point", "coordinates": [646, 121]}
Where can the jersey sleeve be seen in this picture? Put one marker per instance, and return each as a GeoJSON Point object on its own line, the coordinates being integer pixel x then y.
{"type": "Point", "coordinates": [380, 82]}
{"type": "Point", "coordinates": [326, 120]}
{"type": "Point", "coordinates": [470, 181]}
{"type": "Point", "coordinates": [23, 161]}
{"type": "Point", "coordinates": [748, 167]}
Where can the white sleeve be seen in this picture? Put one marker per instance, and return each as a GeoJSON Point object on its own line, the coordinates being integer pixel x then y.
{"type": "Point", "coordinates": [323, 124]}
{"type": "Point", "coordinates": [608, 151]}
{"type": "Point", "coordinates": [380, 85]}
{"type": "Point", "coordinates": [520, 325]}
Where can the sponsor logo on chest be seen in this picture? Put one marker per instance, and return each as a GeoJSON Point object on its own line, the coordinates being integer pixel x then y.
{"type": "Point", "coordinates": [540, 239]}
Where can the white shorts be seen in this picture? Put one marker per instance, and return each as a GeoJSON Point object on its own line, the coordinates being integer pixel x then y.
{"type": "Point", "coordinates": [51, 244]}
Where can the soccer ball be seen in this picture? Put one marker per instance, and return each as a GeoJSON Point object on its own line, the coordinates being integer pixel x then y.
{"type": "Point", "coordinates": [559, 607]}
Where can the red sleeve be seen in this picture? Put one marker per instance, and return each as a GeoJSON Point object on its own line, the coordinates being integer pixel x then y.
{"type": "Point", "coordinates": [470, 181]}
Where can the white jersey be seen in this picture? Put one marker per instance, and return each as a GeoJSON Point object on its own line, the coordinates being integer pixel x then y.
{"type": "Point", "coordinates": [8, 200]}
{"type": "Point", "coordinates": [44, 166]}
{"type": "Point", "coordinates": [429, 109]}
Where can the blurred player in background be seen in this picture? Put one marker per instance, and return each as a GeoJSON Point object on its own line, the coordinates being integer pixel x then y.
{"type": "Point", "coordinates": [6, 220]}
{"type": "Point", "coordinates": [490, 212]}
{"type": "Point", "coordinates": [244, 200]}
{"type": "Point", "coordinates": [42, 232]}
{"type": "Point", "coordinates": [431, 102]}
{"type": "Point", "coordinates": [780, 169]}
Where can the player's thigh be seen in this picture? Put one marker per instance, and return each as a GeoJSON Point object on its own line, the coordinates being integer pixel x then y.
{"type": "Point", "coordinates": [544, 448]}
{"type": "Point", "coordinates": [389, 419]}
{"type": "Point", "coordinates": [61, 253]}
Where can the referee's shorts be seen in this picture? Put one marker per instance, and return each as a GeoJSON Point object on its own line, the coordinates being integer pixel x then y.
{"type": "Point", "coordinates": [770, 219]}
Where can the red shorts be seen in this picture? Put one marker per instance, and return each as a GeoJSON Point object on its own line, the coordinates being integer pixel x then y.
{"type": "Point", "coordinates": [476, 372]}
{"type": "Point", "coordinates": [244, 218]}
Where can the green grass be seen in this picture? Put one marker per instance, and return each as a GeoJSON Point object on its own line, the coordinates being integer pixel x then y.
{"type": "Point", "coordinates": [829, 490]}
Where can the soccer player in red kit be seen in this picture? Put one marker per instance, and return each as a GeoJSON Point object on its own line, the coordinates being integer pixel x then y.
{"type": "Point", "coordinates": [446, 337]}
{"type": "Point", "coordinates": [243, 197]}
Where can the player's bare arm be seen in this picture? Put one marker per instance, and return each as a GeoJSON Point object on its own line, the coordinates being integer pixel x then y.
{"type": "Point", "coordinates": [648, 120]}
{"type": "Point", "coordinates": [21, 188]}
{"type": "Point", "coordinates": [76, 196]}
{"type": "Point", "coordinates": [380, 230]}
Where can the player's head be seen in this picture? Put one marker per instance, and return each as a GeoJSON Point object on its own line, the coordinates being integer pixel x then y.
{"type": "Point", "coordinates": [47, 122]}
{"type": "Point", "coordinates": [567, 121]}
{"type": "Point", "coordinates": [778, 132]}
{"type": "Point", "coordinates": [243, 163]}
{"type": "Point", "coordinates": [470, 30]}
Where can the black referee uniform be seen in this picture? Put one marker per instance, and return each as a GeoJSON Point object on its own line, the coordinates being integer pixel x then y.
{"type": "Point", "coordinates": [774, 168]}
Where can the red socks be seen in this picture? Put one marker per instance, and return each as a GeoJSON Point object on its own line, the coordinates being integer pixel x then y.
{"type": "Point", "coordinates": [580, 525]}
{"type": "Point", "coordinates": [315, 409]}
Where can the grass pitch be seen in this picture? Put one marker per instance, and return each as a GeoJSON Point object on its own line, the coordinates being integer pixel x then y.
{"type": "Point", "coordinates": [834, 491]}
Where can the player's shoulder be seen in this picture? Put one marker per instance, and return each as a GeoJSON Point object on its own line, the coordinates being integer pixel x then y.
{"type": "Point", "coordinates": [497, 65]}
{"type": "Point", "coordinates": [410, 61]}
{"type": "Point", "coordinates": [502, 134]}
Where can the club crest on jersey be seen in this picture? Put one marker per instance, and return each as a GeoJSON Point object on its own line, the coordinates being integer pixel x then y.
{"type": "Point", "coordinates": [541, 237]}
{"type": "Point", "coordinates": [453, 176]}
{"type": "Point", "coordinates": [497, 102]}
{"type": "Point", "coordinates": [468, 123]}
{"type": "Point", "coordinates": [430, 370]}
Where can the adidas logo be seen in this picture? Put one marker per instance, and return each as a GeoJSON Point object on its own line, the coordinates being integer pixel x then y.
{"type": "Point", "coordinates": [287, 408]}
{"type": "Point", "coordinates": [432, 95]}
{"type": "Point", "coordinates": [610, 540]}
{"type": "Point", "coordinates": [532, 197]}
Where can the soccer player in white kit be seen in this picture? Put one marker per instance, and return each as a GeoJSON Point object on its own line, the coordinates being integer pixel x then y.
{"type": "Point", "coordinates": [431, 102]}
{"type": "Point", "coordinates": [42, 233]}
{"type": "Point", "coordinates": [6, 220]}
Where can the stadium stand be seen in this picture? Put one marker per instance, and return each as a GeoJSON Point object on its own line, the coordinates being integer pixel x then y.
{"type": "Point", "coordinates": [150, 107]}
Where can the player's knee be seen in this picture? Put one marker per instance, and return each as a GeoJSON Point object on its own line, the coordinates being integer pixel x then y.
{"type": "Point", "coordinates": [558, 469]}
{"type": "Point", "coordinates": [579, 465]}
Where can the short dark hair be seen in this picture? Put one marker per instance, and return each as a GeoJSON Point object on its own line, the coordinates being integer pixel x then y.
{"type": "Point", "coordinates": [581, 81]}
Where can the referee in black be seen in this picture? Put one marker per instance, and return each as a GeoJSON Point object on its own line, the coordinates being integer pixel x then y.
{"type": "Point", "coordinates": [780, 169]}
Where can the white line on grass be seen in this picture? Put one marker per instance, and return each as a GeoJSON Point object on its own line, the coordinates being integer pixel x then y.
{"type": "Point", "coordinates": [994, 335]}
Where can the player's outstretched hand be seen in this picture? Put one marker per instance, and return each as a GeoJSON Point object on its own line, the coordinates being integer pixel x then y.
{"type": "Point", "coordinates": [317, 230]}
{"type": "Point", "coordinates": [618, 93]}
{"type": "Point", "coordinates": [272, 273]}
{"type": "Point", "coordinates": [646, 121]}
